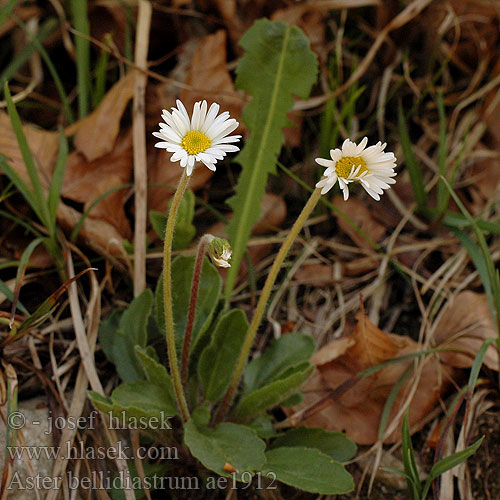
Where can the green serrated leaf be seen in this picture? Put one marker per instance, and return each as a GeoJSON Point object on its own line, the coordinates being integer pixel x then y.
{"type": "Point", "coordinates": [289, 350]}
{"type": "Point", "coordinates": [208, 297]}
{"type": "Point", "coordinates": [277, 64]}
{"type": "Point", "coordinates": [274, 393]}
{"type": "Point", "coordinates": [308, 469]}
{"type": "Point", "coordinates": [218, 359]}
{"type": "Point", "coordinates": [227, 443]}
{"type": "Point", "coordinates": [334, 444]}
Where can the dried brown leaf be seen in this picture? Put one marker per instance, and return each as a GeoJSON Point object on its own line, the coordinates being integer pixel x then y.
{"type": "Point", "coordinates": [465, 324]}
{"type": "Point", "coordinates": [96, 134]}
{"type": "Point", "coordinates": [44, 146]}
{"type": "Point", "coordinates": [362, 216]}
{"type": "Point", "coordinates": [357, 411]}
{"type": "Point", "coordinates": [208, 72]}
{"type": "Point", "coordinates": [85, 181]}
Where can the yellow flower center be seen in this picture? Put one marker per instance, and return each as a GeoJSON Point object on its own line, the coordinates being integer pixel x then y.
{"type": "Point", "coordinates": [345, 164]}
{"type": "Point", "coordinates": [195, 142]}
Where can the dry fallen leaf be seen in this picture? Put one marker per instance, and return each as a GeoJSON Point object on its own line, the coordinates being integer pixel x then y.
{"type": "Point", "coordinates": [357, 411]}
{"type": "Point", "coordinates": [361, 215]}
{"type": "Point", "coordinates": [96, 134]}
{"type": "Point", "coordinates": [85, 181]}
{"type": "Point", "coordinates": [44, 146]}
{"type": "Point", "coordinates": [208, 73]}
{"type": "Point", "coordinates": [465, 324]}
{"type": "Point", "coordinates": [98, 234]}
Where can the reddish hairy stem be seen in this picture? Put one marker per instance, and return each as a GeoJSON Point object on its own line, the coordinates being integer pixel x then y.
{"type": "Point", "coordinates": [195, 286]}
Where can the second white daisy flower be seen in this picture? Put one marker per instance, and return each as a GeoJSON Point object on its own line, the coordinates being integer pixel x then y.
{"type": "Point", "coordinates": [371, 167]}
{"type": "Point", "coordinates": [205, 137]}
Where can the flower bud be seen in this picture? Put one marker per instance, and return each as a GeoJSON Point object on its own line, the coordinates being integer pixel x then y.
{"type": "Point", "coordinates": [219, 251]}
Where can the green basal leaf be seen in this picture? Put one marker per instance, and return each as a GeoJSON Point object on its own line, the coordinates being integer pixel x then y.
{"type": "Point", "coordinates": [277, 64]}
{"type": "Point", "coordinates": [263, 426]}
{"type": "Point", "coordinates": [102, 403]}
{"type": "Point", "coordinates": [283, 353]}
{"type": "Point", "coordinates": [208, 297]}
{"type": "Point", "coordinates": [293, 400]}
{"type": "Point", "coordinates": [274, 393]}
{"type": "Point", "coordinates": [308, 469]}
{"type": "Point", "coordinates": [227, 443]}
{"type": "Point", "coordinates": [143, 399]}
{"type": "Point", "coordinates": [122, 331]}
{"type": "Point", "coordinates": [218, 359]}
{"type": "Point", "coordinates": [155, 372]}
{"type": "Point", "coordinates": [334, 444]}
{"type": "Point", "coordinates": [184, 229]}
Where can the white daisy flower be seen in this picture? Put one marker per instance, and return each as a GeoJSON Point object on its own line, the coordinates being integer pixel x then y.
{"type": "Point", "coordinates": [205, 137]}
{"type": "Point", "coordinates": [371, 167]}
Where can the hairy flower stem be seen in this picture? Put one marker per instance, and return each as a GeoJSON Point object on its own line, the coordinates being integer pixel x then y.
{"type": "Point", "coordinates": [261, 305]}
{"type": "Point", "coordinates": [167, 295]}
{"type": "Point", "coordinates": [195, 286]}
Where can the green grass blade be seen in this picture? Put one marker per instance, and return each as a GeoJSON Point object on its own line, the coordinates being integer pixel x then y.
{"type": "Point", "coordinates": [57, 179]}
{"type": "Point", "coordinates": [24, 55]}
{"type": "Point", "coordinates": [100, 73]}
{"type": "Point", "coordinates": [416, 177]}
{"type": "Point", "coordinates": [409, 462]}
{"type": "Point", "coordinates": [82, 48]}
{"type": "Point", "coordinates": [490, 266]}
{"type": "Point", "coordinates": [6, 10]}
{"type": "Point", "coordinates": [15, 178]}
{"type": "Point", "coordinates": [23, 264]}
{"type": "Point", "coordinates": [389, 402]}
{"type": "Point", "coordinates": [10, 296]}
{"type": "Point", "coordinates": [476, 256]}
{"type": "Point", "coordinates": [52, 70]}
{"type": "Point", "coordinates": [449, 462]}
{"type": "Point", "coordinates": [38, 199]}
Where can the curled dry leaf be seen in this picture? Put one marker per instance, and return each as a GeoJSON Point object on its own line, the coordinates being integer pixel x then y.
{"type": "Point", "coordinates": [465, 324]}
{"type": "Point", "coordinates": [44, 146]}
{"type": "Point", "coordinates": [98, 234]}
{"type": "Point", "coordinates": [85, 181]}
{"type": "Point", "coordinates": [357, 411]}
{"type": "Point", "coordinates": [362, 216]}
{"type": "Point", "coordinates": [96, 134]}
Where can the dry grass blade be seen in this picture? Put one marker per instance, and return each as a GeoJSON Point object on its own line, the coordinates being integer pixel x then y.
{"type": "Point", "coordinates": [139, 140]}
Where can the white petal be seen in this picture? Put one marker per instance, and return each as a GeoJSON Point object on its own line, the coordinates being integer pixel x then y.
{"type": "Point", "coordinates": [324, 163]}
{"type": "Point", "coordinates": [212, 113]}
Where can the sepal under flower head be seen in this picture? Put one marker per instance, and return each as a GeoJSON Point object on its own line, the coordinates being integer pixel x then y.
{"type": "Point", "coordinates": [220, 252]}
{"type": "Point", "coordinates": [372, 167]}
{"type": "Point", "coordinates": [203, 137]}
